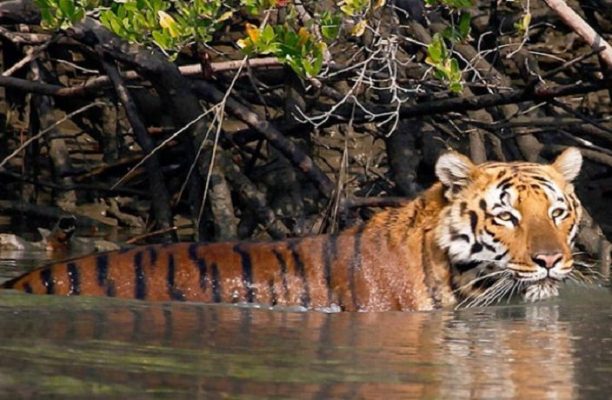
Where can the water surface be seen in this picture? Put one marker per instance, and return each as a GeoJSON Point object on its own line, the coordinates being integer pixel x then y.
{"type": "Point", "coordinates": [109, 348]}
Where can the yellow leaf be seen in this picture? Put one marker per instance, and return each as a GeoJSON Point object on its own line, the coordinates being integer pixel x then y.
{"type": "Point", "coordinates": [225, 16]}
{"type": "Point", "coordinates": [252, 31]}
{"type": "Point", "coordinates": [378, 4]}
{"type": "Point", "coordinates": [242, 43]}
{"type": "Point", "coordinates": [167, 22]}
{"type": "Point", "coordinates": [303, 35]}
{"type": "Point", "coordinates": [359, 28]}
{"type": "Point", "coordinates": [526, 21]}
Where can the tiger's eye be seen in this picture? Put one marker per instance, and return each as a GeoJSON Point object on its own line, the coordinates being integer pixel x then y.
{"type": "Point", "coordinates": [505, 216]}
{"type": "Point", "coordinates": [557, 212]}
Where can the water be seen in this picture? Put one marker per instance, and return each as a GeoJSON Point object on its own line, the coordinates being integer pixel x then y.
{"type": "Point", "coordinates": [68, 348]}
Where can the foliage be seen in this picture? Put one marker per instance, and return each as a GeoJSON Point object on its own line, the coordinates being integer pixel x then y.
{"type": "Point", "coordinates": [446, 67]}
{"type": "Point", "coordinates": [169, 25]}
{"type": "Point", "coordinates": [456, 4]}
{"type": "Point", "coordinates": [173, 24]}
{"type": "Point", "coordinates": [61, 14]}
{"type": "Point", "coordinates": [300, 50]}
{"type": "Point", "coordinates": [439, 56]}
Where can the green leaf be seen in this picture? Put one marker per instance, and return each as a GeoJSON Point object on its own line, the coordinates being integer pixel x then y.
{"type": "Point", "coordinates": [440, 75]}
{"type": "Point", "coordinates": [436, 50]}
{"type": "Point", "coordinates": [116, 26]}
{"type": "Point", "coordinates": [66, 7]}
{"type": "Point", "coordinates": [78, 15]}
{"type": "Point", "coordinates": [330, 26]}
{"type": "Point", "coordinates": [267, 35]}
{"type": "Point", "coordinates": [162, 38]}
{"type": "Point", "coordinates": [455, 87]}
{"type": "Point", "coordinates": [455, 72]}
{"type": "Point", "coordinates": [309, 68]}
{"type": "Point", "coordinates": [464, 25]}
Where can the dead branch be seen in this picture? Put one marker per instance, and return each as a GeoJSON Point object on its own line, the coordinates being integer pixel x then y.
{"type": "Point", "coordinates": [578, 25]}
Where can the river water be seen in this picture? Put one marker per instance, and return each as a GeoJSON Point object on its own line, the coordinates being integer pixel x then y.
{"type": "Point", "coordinates": [69, 348]}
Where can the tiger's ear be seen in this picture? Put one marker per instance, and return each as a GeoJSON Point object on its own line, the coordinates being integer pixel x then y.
{"type": "Point", "coordinates": [568, 163]}
{"type": "Point", "coordinates": [454, 169]}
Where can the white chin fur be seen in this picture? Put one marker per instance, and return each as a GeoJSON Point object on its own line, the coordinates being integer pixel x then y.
{"type": "Point", "coordinates": [541, 290]}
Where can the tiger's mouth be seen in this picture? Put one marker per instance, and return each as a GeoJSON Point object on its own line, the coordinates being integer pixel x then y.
{"type": "Point", "coordinates": [535, 273]}
{"type": "Point", "coordinates": [539, 283]}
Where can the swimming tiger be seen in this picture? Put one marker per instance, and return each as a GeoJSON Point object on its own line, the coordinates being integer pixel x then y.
{"type": "Point", "coordinates": [481, 233]}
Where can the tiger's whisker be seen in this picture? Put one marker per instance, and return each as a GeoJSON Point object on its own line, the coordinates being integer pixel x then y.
{"type": "Point", "coordinates": [489, 293]}
{"type": "Point", "coordinates": [480, 278]}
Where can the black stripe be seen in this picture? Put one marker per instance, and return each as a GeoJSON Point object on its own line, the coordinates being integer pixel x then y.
{"type": "Point", "coordinates": [500, 256]}
{"type": "Point", "coordinates": [539, 178]}
{"type": "Point", "coordinates": [329, 254]}
{"type": "Point", "coordinates": [273, 295]}
{"type": "Point", "coordinates": [173, 291]}
{"type": "Point", "coordinates": [504, 198]}
{"type": "Point", "coordinates": [473, 220]}
{"type": "Point", "coordinates": [152, 254]}
{"type": "Point", "coordinates": [549, 187]}
{"type": "Point", "coordinates": [476, 248]}
{"type": "Point", "coordinates": [483, 205]}
{"type": "Point", "coordinates": [102, 269]}
{"type": "Point", "coordinates": [46, 276]}
{"type": "Point", "coordinates": [216, 285]}
{"type": "Point", "coordinates": [503, 183]}
{"type": "Point", "coordinates": [75, 279]}
{"type": "Point", "coordinates": [490, 233]}
{"type": "Point", "coordinates": [301, 271]}
{"type": "Point", "coordinates": [283, 269]}
{"type": "Point", "coordinates": [489, 247]}
{"type": "Point", "coordinates": [200, 263]}
{"type": "Point", "coordinates": [460, 236]}
{"type": "Point", "coordinates": [355, 265]}
{"type": "Point", "coordinates": [140, 285]}
{"type": "Point", "coordinates": [27, 288]}
{"type": "Point", "coordinates": [247, 272]}
{"type": "Point", "coordinates": [466, 266]}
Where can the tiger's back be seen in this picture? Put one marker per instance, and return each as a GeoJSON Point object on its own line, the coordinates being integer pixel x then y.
{"type": "Point", "coordinates": [343, 271]}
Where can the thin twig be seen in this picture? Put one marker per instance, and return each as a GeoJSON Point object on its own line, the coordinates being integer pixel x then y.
{"type": "Point", "coordinates": [48, 129]}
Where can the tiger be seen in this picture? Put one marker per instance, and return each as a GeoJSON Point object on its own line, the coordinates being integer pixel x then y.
{"type": "Point", "coordinates": [481, 233]}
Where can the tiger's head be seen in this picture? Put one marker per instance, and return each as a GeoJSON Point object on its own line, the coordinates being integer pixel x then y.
{"type": "Point", "coordinates": [508, 227]}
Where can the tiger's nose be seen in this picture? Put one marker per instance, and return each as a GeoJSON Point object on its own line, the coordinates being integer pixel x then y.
{"type": "Point", "coordinates": [547, 260]}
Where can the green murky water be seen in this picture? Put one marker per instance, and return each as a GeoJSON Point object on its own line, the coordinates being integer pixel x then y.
{"type": "Point", "coordinates": [107, 348]}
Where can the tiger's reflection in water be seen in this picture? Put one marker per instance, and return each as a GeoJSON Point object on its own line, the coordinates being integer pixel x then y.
{"type": "Point", "coordinates": [138, 349]}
